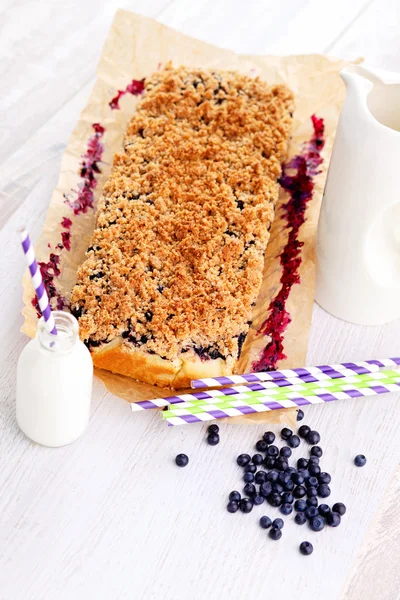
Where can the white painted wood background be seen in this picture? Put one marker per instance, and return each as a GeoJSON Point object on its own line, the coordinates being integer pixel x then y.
{"type": "Point", "coordinates": [111, 516]}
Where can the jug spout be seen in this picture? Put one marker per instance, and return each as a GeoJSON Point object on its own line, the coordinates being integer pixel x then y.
{"type": "Point", "coordinates": [358, 80]}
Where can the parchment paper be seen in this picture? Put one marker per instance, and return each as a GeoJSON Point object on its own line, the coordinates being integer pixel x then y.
{"type": "Point", "coordinates": [135, 47]}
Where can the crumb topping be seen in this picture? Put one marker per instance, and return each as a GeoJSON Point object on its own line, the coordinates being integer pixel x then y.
{"type": "Point", "coordinates": [175, 262]}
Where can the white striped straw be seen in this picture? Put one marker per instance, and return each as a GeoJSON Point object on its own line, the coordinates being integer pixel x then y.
{"type": "Point", "coordinates": [359, 368]}
{"type": "Point", "coordinates": [38, 284]}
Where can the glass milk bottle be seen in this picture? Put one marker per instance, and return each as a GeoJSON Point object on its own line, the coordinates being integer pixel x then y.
{"type": "Point", "coordinates": [54, 384]}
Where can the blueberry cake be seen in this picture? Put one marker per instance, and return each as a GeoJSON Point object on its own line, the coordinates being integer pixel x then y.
{"type": "Point", "coordinates": [175, 263]}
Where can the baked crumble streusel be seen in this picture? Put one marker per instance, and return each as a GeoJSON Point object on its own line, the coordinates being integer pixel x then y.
{"type": "Point", "coordinates": [175, 263]}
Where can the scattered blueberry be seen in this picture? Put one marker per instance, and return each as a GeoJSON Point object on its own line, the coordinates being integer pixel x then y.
{"type": "Point", "coordinates": [277, 487]}
{"type": "Point", "coordinates": [260, 477]}
{"type": "Point", "coordinates": [243, 460]}
{"type": "Point", "coordinates": [333, 519]}
{"type": "Point", "coordinates": [213, 439]}
{"type": "Point", "coordinates": [300, 505]}
{"type": "Point", "coordinates": [317, 523]}
{"type": "Point", "coordinates": [258, 499]}
{"type": "Point", "coordinates": [275, 499]}
{"type": "Point", "coordinates": [324, 510]}
{"type": "Point", "coordinates": [304, 430]}
{"type": "Point", "coordinates": [285, 451]}
{"type": "Point", "coordinates": [266, 489]}
{"type": "Point", "coordinates": [275, 534]}
{"type": "Point", "coordinates": [234, 496]}
{"type": "Point", "coordinates": [182, 460]}
{"type": "Point", "coordinates": [300, 518]}
{"type": "Point", "coordinates": [269, 462]}
{"type": "Point", "coordinates": [314, 469]}
{"type": "Point", "coordinates": [287, 498]}
{"type": "Point", "coordinates": [316, 451]}
{"type": "Point", "coordinates": [246, 505]}
{"type": "Point", "coordinates": [272, 451]}
{"type": "Point", "coordinates": [300, 415]}
{"type": "Point", "coordinates": [313, 460]}
{"type": "Point", "coordinates": [250, 489]}
{"type": "Point", "coordinates": [302, 463]}
{"type": "Point", "coordinates": [311, 492]}
{"type": "Point", "coordinates": [312, 482]}
{"type": "Point", "coordinates": [269, 437]}
{"type": "Point", "coordinates": [312, 501]}
{"type": "Point", "coordinates": [313, 437]}
{"type": "Point", "coordinates": [324, 490]}
{"type": "Point", "coordinates": [261, 446]}
{"type": "Point", "coordinates": [291, 470]}
{"type": "Point", "coordinates": [281, 464]}
{"type": "Point", "coordinates": [339, 508]}
{"type": "Point", "coordinates": [213, 428]}
{"type": "Point", "coordinates": [233, 506]}
{"type": "Point", "coordinates": [283, 477]}
{"type": "Point", "coordinates": [360, 460]}
{"type": "Point", "coordinates": [304, 473]}
{"type": "Point", "coordinates": [324, 477]}
{"type": "Point", "coordinates": [297, 478]}
{"type": "Point", "coordinates": [306, 548]}
{"type": "Point", "coordinates": [265, 522]}
{"type": "Point", "coordinates": [286, 433]}
{"type": "Point", "coordinates": [289, 486]}
{"type": "Point", "coordinates": [257, 459]}
{"type": "Point", "coordinates": [248, 477]}
{"type": "Point", "coordinates": [299, 491]}
{"type": "Point", "coordinates": [278, 523]}
{"type": "Point", "coordinates": [272, 475]}
{"type": "Point", "coordinates": [250, 468]}
{"type": "Point", "coordinates": [286, 508]}
{"type": "Point", "coordinates": [294, 441]}
{"type": "Point", "coordinates": [311, 512]}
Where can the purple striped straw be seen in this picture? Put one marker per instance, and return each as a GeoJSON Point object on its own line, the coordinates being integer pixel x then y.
{"type": "Point", "coordinates": [358, 368]}
{"type": "Point", "coordinates": [38, 284]}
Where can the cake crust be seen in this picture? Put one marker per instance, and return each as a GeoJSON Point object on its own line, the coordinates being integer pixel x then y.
{"type": "Point", "coordinates": [175, 263]}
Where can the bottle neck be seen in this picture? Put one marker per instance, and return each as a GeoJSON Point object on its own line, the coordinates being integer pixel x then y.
{"type": "Point", "coordinates": [67, 333]}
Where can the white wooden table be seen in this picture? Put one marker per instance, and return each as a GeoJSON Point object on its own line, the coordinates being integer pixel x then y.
{"type": "Point", "coordinates": [112, 516]}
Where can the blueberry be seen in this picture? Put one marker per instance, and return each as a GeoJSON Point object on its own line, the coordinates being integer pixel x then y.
{"type": "Point", "coordinates": [311, 492]}
{"type": "Point", "coordinates": [311, 512]}
{"type": "Point", "coordinates": [299, 491]}
{"type": "Point", "coordinates": [339, 508]}
{"type": "Point", "coordinates": [324, 478]}
{"type": "Point", "coordinates": [257, 500]}
{"type": "Point", "coordinates": [277, 487]}
{"type": "Point", "coordinates": [313, 460]}
{"type": "Point", "coordinates": [265, 522]}
{"type": "Point", "coordinates": [275, 534]}
{"type": "Point", "coordinates": [300, 505]}
{"type": "Point", "coordinates": [317, 523]}
{"type": "Point", "coordinates": [324, 490]}
{"type": "Point", "coordinates": [260, 477]}
{"type": "Point", "coordinates": [246, 505]}
{"type": "Point", "coordinates": [250, 489]}
{"type": "Point", "coordinates": [287, 498]}
{"type": "Point", "coordinates": [275, 499]}
{"type": "Point", "coordinates": [324, 510]}
{"type": "Point", "coordinates": [266, 489]}
{"type": "Point", "coordinates": [360, 460]}
{"type": "Point", "coordinates": [289, 486]}
{"type": "Point", "coordinates": [302, 463]}
{"type": "Point", "coordinates": [313, 437]}
{"type": "Point", "coordinates": [300, 415]}
{"type": "Point", "coordinates": [297, 478]}
{"type": "Point", "coordinates": [294, 441]}
{"type": "Point", "coordinates": [285, 451]}
{"type": "Point", "coordinates": [232, 506]}
{"type": "Point", "coordinates": [286, 433]}
{"type": "Point", "coordinates": [304, 473]}
{"type": "Point", "coordinates": [272, 451]}
{"type": "Point", "coordinates": [248, 477]}
{"type": "Point", "coordinates": [278, 523]}
{"type": "Point", "coordinates": [312, 501]}
{"type": "Point", "coordinates": [281, 464]}
{"type": "Point", "coordinates": [261, 446]}
{"type": "Point", "coordinates": [291, 470]}
{"type": "Point", "coordinates": [272, 475]}
{"type": "Point", "coordinates": [234, 496]}
{"type": "Point", "coordinates": [286, 508]}
{"type": "Point", "coordinates": [333, 519]}
{"type": "Point", "coordinates": [306, 548]}
{"type": "Point", "coordinates": [269, 462]}
{"type": "Point", "coordinates": [250, 468]}
{"type": "Point", "coordinates": [243, 460]}
{"type": "Point", "coordinates": [213, 439]}
{"type": "Point", "coordinates": [304, 430]}
{"type": "Point", "coordinates": [300, 518]}
{"type": "Point", "coordinates": [213, 428]}
{"type": "Point", "coordinates": [316, 451]}
{"type": "Point", "coordinates": [314, 469]}
{"type": "Point", "coordinates": [269, 437]}
{"type": "Point", "coordinates": [283, 477]}
{"type": "Point", "coordinates": [182, 460]}
{"type": "Point", "coordinates": [257, 459]}
{"type": "Point", "coordinates": [312, 482]}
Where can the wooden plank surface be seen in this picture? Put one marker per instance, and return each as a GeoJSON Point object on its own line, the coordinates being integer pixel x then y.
{"type": "Point", "coordinates": [111, 516]}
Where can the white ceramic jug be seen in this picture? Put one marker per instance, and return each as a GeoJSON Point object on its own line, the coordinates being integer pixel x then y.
{"type": "Point", "coordinates": [358, 247]}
